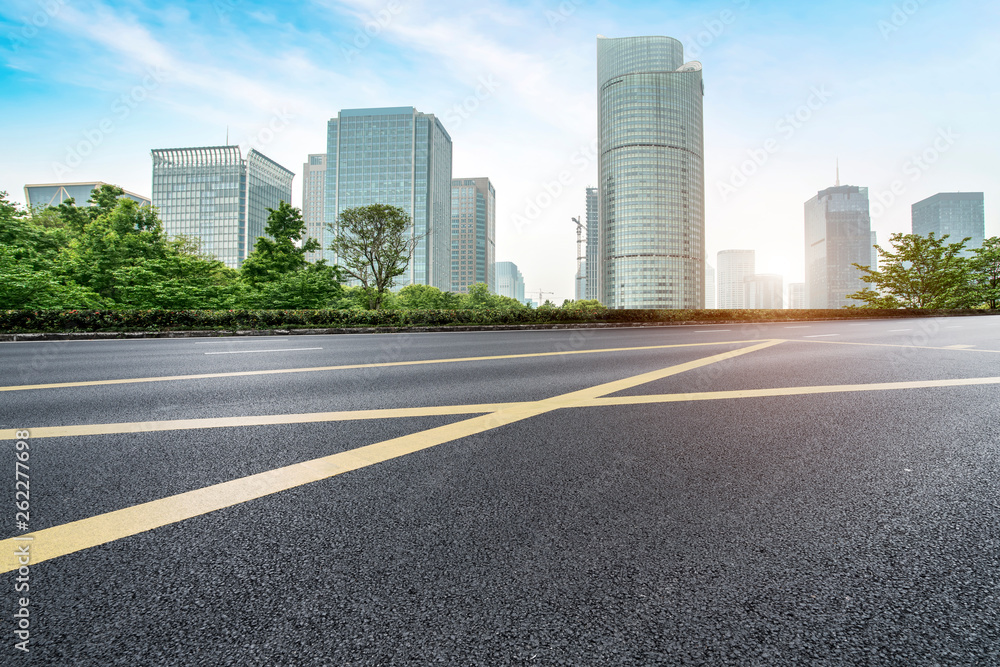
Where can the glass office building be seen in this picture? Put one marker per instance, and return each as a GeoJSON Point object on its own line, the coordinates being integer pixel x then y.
{"type": "Point", "coordinates": [510, 282]}
{"type": "Point", "coordinates": [313, 196]}
{"type": "Point", "coordinates": [473, 233]}
{"type": "Point", "coordinates": [592, 273]}
{"type": "Point", "coordinates": [400, 157]}
{"type": "Point", "coordinates": [957, 214]}
{"type": "Point", "coordinates": [651, 169]}
{"type": "Point", "coordinates": [735, 266]}
{"type": "Point", "coordinates": [42, 195]}
{"type": "Point", "coordinates": [838, 234]}
{"type": "Point", "coordinates": [214, 195]}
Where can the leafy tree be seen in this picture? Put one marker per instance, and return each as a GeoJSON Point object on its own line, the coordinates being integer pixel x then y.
{"type": "Point", "coordinates": [479, 296]}
{"type": "Point", "coordinates": [374, 246]}
{"type": "Point", "coordinates": [984, 267]}
{"type": "Point", "coordinates": [427, 297]}
{"type": "Point", "coordinates": [918, 272]}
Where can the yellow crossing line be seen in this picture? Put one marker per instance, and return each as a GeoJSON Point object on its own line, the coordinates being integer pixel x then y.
{"type": "Point", "coordinates": [784, 391]}
{"type": "Point", "coordinates": [388, 364]}
{"type": "Point", "coordinates": [72, 537]}
{"type": "Point", "coordinates": [256, 420]}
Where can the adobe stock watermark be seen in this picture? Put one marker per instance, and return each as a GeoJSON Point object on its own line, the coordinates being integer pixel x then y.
{"type": "Point", "coordinates": [901, 15]}
{"type": "Point", "coordinates": [913, 169]}
{"type": "Point", "coordinates": [562, 12]}
{"type": "Point", "coordinates": [713, 29]}
{"type": "Point", "coordinates": [223, 8]}
{"type": "Point", "coordinates": [371, 29]}
{"type": "Point", "coordinates": [488, 85]}
{"type": "Point", "coordinates": [121, 109]}
{"type": "Point", "coordinates": [786, 127]}
{"type": "Point", "coordinates": [32, 25]}
{"type": "Point", "coordinates": [554, 187]}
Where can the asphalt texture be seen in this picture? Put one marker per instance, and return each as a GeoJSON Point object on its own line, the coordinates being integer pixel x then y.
{"type": "Point", "coordinates": [846, 528]}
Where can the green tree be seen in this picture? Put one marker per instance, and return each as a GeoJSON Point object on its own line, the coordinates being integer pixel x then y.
{"type": "Point", "coordinates": [984, 267]}
{"type": "Point", "coordinates": [427, 297]}
{"type": "Point", "coordinates": [277, 273]}
{"type": "Point", "coordinates": [374, 245]}
{"type": "Point", "coordinates": [918, 272]}
{"type": "Point", "coordinates": [479, 296]}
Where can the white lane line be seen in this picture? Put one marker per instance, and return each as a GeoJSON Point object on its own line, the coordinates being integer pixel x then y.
{"type": "Point", "coordinates": [859, 325]}
{"type": "Point", "coordinates": [288, 349]}
{"type": "Point", "coordinates": [821, 335]}
{"type": "Point", "coordinates": [896, 330]}
{"type": "Point", "coordinates": [958, 347]}
{"type": "Point", "coordinates": [712, 330]}
{"type": "Point", "coordinates": [799, 327]}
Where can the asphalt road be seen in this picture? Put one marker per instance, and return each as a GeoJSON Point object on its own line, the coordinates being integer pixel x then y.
{"type": "Point", "coordinates": [823, 493]}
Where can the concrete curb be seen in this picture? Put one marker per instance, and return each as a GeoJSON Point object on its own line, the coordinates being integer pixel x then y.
{"type": "Point", "coordinates": [126, 335]}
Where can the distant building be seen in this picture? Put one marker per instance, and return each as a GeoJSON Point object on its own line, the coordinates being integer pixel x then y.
{"type": "Point", "coordinates": [510, 282]}
{"type": "Point", "coordinates": [797, 295]}
{"type": "Point", "coordinates": [709, 286]}
{"type": "Point", "coordinates": [652, 176]}
{"type": "Point", "coordinates": [957, 214]}
{"type": "Point", "coordinates": [874, 265]}
{"type": "Point", "coordinates": [43, 195]}
{"type": "Point", "coordinates": [734, 267]}
{"type": "Point", "coordinates": [837, 235]}
{"type": "Point", "coordinates": [400, 157]}
{"type": "Point", "coordinates": [313, 188]}
{"type": "Point", "coordinates": [763, 290]}
{"type": "Point", "coordinates": [473, 233]}
{"type": "Point", "coordinates": [217, 196]}
{"type": "Point", "coordinates": [594, 266]}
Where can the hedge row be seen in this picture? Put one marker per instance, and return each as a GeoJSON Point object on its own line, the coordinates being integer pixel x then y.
{"type": "Point", "coordinates": [30, 321]}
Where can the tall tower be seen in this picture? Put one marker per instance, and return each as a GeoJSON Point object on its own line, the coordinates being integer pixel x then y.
{"type": "Point", "coordinates": [217, 196]}
{"type": "Point", "coordinates": [473, 233]}
{"type": "Point", "coordinates": [651, 169]}
{"type": "Point", "coordinates": [400, 157]}
{"type": "Point", "coordinates": [735, 266]}
{"type": "Point", "coordinates": [313, 189]}
{"type": "Point", "coordinates": [838, 234]}
{"type": "Point", "coordinates": [958, 214]}
{"type": "Point", "coordinates": [593, 222]}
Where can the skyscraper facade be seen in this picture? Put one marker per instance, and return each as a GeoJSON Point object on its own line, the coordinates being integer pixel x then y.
{"type": "Point", "coordinates": [313, 189]}
{"type": "Point", "coordinates": [217, 196]}
{"type": "Point", "coordinates": [763, 290]}
{"type": "Point", "coordinates": [837, 235]}
{"type": "Point", "coordinates": [957, 214]}
{"type": "Point", "coordinates": [593, 272]}
{"type": "Point", "coordinates": [53, 194]}
{"type": "Point", "coordinates": [510, 282]}
{"type": "Point", "coordinates": [473, 233]}
{"type": "Point", "coordinates": [797, 295]}
{"type": "Point", "coordinates": [400, 157]}
{"type": "Point", "coordinates": [734, 267]}
{"type": "Point", "coordinates": [651, 169]}
{"type": "Point", "coordinates": [709, 286]}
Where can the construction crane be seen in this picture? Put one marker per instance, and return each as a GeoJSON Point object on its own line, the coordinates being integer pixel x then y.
{"type": "Point", "coordinates": [540, 293]}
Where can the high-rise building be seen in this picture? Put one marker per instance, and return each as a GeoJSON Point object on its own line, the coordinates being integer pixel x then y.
{"type": "Point", "coordinates": [797, 295]}
{"type": "Point", "coordinates": [957, 214]}
{"type": "Point", "coordinates": [874, 265]}
{"type": "Point", "coordinates": [593, 222]}
{"type": "Point", "coordinates": [399, 157]}
{"type": "Point", "coordinates": [734, 267]}
{"type": "Point", "coordinates": [313, 189]}
{"type": "Point", "coordinates": [53, 194]}
{"type": "Point", "coordinates": [217, 196]}
{"type": "Point", "coordinates": [651, 169]}
{"type": "Point", "coordinates": [510, 282]}
{"type": "Point", "coordinates": [473, 233]}
{"type": "Point", "coordinates": [837, 235]}
{"type": "Point", "coordinates": [709, 285]}
{"type": "Point", "coordinates": [763, 290]}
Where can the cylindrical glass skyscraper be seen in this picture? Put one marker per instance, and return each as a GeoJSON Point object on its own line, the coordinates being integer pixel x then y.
{"type": "Point", "coordinates": [652, 175]}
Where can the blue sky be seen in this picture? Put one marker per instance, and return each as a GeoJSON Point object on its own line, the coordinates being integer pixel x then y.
{"type": "Point", "coordinates": [905, 94]}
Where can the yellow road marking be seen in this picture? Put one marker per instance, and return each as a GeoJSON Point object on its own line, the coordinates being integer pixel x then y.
{"type": "Point", "coordinates": [72, 537]}
{"type": "Point", "coordinates": [784, 391]}
{"type": "Point", "coordinates": [257, 420]}
{"type": "Point", "coordinates": [388, 364]}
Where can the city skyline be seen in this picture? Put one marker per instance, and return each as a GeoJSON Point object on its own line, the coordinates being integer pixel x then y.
{"type": "Point", "coordinates": [789, 89]}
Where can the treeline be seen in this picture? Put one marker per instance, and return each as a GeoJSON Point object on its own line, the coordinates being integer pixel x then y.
{"type": "Point", "coordinates": [114, 255]}
{"type": "Point", "coordinates": [928, 272]}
